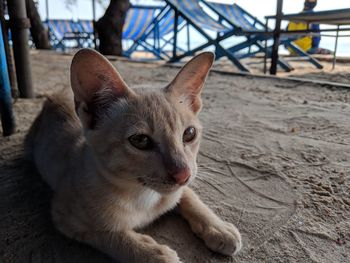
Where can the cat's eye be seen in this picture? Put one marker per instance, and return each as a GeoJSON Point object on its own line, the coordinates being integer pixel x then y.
{"type": "Point", "coordinates": [189, 134]}
{"type": "Point", "coordinates": [141, 141]}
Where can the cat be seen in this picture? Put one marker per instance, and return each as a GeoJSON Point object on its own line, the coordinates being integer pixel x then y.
{"type": "Point", "coordinates": [118, 158]}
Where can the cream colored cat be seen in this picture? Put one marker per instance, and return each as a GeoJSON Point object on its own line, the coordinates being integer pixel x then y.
{"type": "Point", "coordinates": [124, 157]}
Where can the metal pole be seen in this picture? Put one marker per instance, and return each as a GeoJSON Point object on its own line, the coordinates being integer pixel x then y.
{"type": "Point", "coordinates": [265, 47]}
{"type": "Point", "coordinates": [176, 22]}
{"type": "Point", "coordinates": [335, 48]}
{"type": "Point", "coordinates": [276, 38]}
{"type": "Point", "coordinates": [7, 119]}
{"type": "Point", "coordinates": [94, 22]}
{"type": "Point", "coordinates": [19, 28]}
{"type": "Point", "coordinates": [47, 18]}
{"type": "Point", "coordinates": [10, 66]}
{"type": "Point", "coordinates": [188, 37]}
{"type": "Point", "coordinates": [47, 9]}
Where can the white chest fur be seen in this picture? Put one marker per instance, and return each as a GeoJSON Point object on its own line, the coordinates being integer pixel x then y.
{"type": "Point", "coordinates": [140, 209]}
{"type": "Point", "coordinates": [146, 200]}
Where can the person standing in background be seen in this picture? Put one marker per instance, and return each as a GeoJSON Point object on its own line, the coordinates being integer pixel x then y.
{"type": "Point", "coordinates": [310, 43]}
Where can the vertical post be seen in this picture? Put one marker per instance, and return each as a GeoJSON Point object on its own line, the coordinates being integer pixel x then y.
{"type": "Point", "coordinates": [7, 119]}
{"type": "Point", "coordinates": [47, 9]}
{"type": "Point", "coordinates": [94, 22]}
{"type": "Point", "coordinates": [276, 38]}
{"type": "Point", "coordinates": [10, 66]}
{"type": "Point", "coordinates": [335, 48]}
{"type": "Point", "coordinates": [217, 50]}
{"type": "Point", "coordinates": [19, 28]}
{"type": "Point", "coordinates": [188, 37]}
{"type": "Point", "coordinates": [265, 47]}
{"type": "Point", "coordinates": [176, 22]}
{"type": "Point", "coordinates": [155, 35]}
{"type": "Point", "coordinates": [47, 18]}
{"type": "Point", "coordinates": [158, 37]}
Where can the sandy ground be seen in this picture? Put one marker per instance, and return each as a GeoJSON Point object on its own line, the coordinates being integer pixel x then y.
{"type": "Point", "coordinates": [302, 69]}
{"type": "Point", "coordinates": [274, 160]}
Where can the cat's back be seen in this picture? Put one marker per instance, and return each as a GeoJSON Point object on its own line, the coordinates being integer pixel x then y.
{"type": "Point", "coordinates": [54, 137]}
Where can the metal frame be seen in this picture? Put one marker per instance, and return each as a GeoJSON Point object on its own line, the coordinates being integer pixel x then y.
{"type": "Point", "coordinates": [330, 21]}
{"type": "Point", "coordinates": [82, 39]}
{"type": "Point", "coordinates": [254, 38]}
{"type": "Point", "coordinates": [156, 48]}
{"type": "Point", "coordinates": [176, 56]}
{"type": "Point", "coordinates": [210, 41]}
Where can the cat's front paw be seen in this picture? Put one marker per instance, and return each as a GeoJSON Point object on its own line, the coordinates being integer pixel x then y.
{"type": "Point", "coordinates": [164, 254]}
{"type": "Point", "coordinates": [157, 253]}
{"type": "Point", "coordinates": [221, 237]}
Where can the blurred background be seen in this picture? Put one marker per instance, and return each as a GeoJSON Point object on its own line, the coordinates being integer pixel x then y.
{"type": "Point", "coordinates": [82, 9]}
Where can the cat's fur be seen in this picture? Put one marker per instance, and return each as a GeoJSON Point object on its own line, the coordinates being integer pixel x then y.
{"type": "Point", "coordinates": [104, 187]}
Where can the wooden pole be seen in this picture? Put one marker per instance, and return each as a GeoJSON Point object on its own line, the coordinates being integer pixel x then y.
{"type": "Point", "coordinates": [19, 24]}
{"type": "Point", "coordinates": [276, 38]}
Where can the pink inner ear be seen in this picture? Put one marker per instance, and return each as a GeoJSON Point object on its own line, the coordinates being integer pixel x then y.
{"type": "Point", "coordinates": [196, 104]}
{"type": "Point", "coordinates": [190, 80]}
{"type": "Point", "coordinates": [91, 73]}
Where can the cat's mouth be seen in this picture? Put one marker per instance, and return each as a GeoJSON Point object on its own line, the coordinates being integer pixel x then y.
{"type": "Point", "coordinates": [164, 187]}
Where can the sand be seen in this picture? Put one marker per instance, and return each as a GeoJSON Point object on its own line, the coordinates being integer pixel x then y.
{"type": "Point", "coordinates": [274, 160]}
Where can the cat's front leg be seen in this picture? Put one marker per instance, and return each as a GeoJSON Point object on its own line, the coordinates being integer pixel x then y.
{"type": "Point", "coordinates": [129, 246]}
{"type": "Point", "coordinates": [124, 245]}
{"type": "Point", "coordinates": [218, 235]}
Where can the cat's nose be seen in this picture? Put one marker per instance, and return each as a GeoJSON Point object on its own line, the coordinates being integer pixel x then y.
{"type": "Point", "coordinates": [182, 176]}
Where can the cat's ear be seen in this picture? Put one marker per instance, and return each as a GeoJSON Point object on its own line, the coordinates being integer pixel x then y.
{"type": "Point", "coordinates": [188, 83]}
{"type": "Point", "coordinates": [95, 82]}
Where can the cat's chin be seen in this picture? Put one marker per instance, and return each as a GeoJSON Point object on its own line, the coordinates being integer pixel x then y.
{"type": "Point", "coordinates": [167, 190]}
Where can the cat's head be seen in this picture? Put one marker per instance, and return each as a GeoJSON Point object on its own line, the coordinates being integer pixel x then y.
{"type": "Point", "coordinates": [140, 137]}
